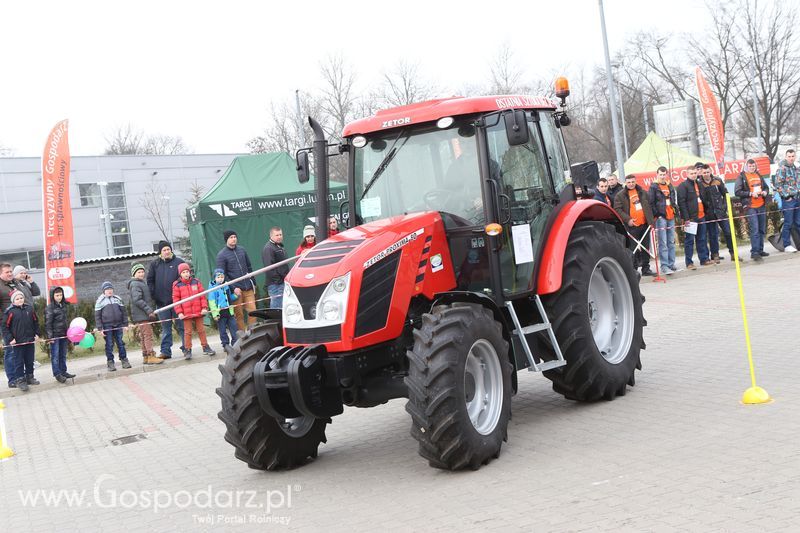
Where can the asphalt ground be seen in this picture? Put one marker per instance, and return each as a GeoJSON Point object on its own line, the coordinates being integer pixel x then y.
{"type": "Point", "coordinates": [143, 451]}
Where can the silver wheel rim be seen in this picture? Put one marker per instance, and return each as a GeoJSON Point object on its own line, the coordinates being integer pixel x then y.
{"type": "Point", "coordinates": [483, 386]}
{"type": "Point", "coordinates": [296, 427]}
{"type": "Point", "coordinates": [611, 310]}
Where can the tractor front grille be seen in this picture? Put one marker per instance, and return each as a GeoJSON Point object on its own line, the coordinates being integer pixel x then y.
{"type": "Point", "coordinates": [376, 294]}
{"type": "Point", "coordinates": [314, 335]}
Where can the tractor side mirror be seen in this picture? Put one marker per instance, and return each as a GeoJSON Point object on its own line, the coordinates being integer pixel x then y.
{"type": "Point", "coordinates": [516, 127]}
{"type": "Point", "coordinates": [303, 173]}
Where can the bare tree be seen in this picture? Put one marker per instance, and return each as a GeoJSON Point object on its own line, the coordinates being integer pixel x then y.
{"type": "Point", "coordinates": [124, 140]}
{"type": "Point", "coordinates": [154, 202]}
{"type": "Point", "coordinates": [196, 192]}
{"type": "Point", "coordinates": [505, 73]}
{"type": "Point", "coordinates": [771, 43]}
{"type": "Point", "coordinates": [287, 132]}
{"type": "Point", "coordinates": [403, 85]}
{"type": "Point", "coordinates": [338, 98]}
{"type": "Point", "coordinates": [159, 144]}
{"type": "Point", "coordinates": [127, 140]}
{"type": "Point", "coordinates": [718, 53]}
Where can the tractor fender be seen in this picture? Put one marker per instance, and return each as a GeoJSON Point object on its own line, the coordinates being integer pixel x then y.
{"type": "Point", "coordinates": [551, 264]}
{"type": "Point", "coordinates": [449, 297]}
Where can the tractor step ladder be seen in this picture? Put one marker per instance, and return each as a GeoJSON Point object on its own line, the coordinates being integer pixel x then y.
{"type": "Point", "coordinates": [546, 325]}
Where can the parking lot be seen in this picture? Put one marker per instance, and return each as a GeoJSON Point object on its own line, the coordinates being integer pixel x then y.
{"type": "Point", "coordinates": [144, 452]}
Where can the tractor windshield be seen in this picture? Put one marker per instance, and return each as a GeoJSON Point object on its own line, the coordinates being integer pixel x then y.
{"type": "Point", "coordinates": [424, 169]}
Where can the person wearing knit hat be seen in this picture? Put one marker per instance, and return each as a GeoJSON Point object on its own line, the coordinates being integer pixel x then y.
{"type": "Point", "coordinates": [309, 240]}
{"type": "Point", "coordinates": [219, 302]}
{"type": "Point", "coordinates": [161, 275]}
{"type": "Point", "coordinates": [191, 311]}
{"type": "Point", "coordinates": [111, 320]}
{"type": "Point", "coordinates": [142, 313]}
{"type": "Point", "coordinates": [235, 263]}
{"type": "Point", "coordinates": [20, 329]}
{"type": "Point", "coordinates": [26, 284]}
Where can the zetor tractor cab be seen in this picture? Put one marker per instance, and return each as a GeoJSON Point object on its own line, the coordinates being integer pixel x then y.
{"type": "Point", "coordinates": [468, 257]}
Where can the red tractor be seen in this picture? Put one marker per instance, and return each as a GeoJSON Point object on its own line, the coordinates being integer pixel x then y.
{"type": "Point", "coordinates": [468, 257]}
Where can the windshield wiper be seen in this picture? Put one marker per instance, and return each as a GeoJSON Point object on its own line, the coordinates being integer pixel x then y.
{"type": "Point", "coordinates": [385, 163]}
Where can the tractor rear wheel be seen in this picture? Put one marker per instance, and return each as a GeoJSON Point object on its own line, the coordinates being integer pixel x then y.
{"type": "Point", "coordinates": [597, 316]}
{"type": "Point", "coordinates": [260, 440]}
{"type": "Point", "coordinates": [459, 387]}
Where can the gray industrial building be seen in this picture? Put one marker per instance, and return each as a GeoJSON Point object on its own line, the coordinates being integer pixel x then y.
{"type": "Point", "coordinates": [108, 195]}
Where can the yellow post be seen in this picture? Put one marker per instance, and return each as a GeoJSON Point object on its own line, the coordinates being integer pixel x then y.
{"type": "Point", "coordinates": [5, 451]}
{"type": "Point", "coordinates": [754, 394]}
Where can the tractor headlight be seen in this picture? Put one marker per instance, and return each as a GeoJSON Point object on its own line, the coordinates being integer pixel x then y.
{"type": "Point", "coordinates": [330, 310]}
{"type": "Point", "coordinates": [292, 312]}
{"type": "Point", "coordinates": [332, 305]}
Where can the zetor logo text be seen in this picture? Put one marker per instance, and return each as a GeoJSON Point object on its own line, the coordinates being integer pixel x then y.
{"type": "Point", "coordinates": [396, 122]}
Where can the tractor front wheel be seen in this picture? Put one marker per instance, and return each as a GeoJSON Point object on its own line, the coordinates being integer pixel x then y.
{"type": "Point", "coordinates": [459, 387]}
{"type": "Point", "coordinates": [262, 441]}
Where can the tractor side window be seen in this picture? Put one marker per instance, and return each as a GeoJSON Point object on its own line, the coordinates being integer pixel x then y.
{"type": "Point", "coordinates": [556, 152]}
{"type": "Point", "coordinates": [525, 203]}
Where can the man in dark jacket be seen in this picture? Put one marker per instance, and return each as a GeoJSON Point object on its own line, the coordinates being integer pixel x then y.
{"type": "Point", "coordinates": [753, 190]}
{"type": "Point", "coordinates": [272, 253]}
{"type": "Point", "coordinates": [163, 272]}
{"type": "Point", "coordinates": [663, 204]}
{"type": "Point", "coordinates": [601, 192]}
{"type": "Point", "coordinates": [234, 261]}
{"type": "Point", "coordinates": [7, 286]}
{"type": "Point", "coordinates": [634, 209]}
{"type": "Point", "coordinates": [714, 195]}
{"type": "Point", "coordinates": [614, 186]}
{"type": "Point", "coordinates": [691, 207]}
{"type": "Point", "coordinates": [26, 284]}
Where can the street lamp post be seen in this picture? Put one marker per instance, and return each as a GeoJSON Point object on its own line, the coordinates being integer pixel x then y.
{"type": "Point", "coordinates": [609, 76]}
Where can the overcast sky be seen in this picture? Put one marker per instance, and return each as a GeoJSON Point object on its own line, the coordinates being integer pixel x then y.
{"type": "Point", "coordinates": [207, 71]}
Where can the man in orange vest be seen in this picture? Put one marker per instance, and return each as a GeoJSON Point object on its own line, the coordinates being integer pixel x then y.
{"type": "Point", "coordinates": [752, 188]}
{"type": "Point", "coordinates": [691, 207]}
{"type": "Point", "coordinates": [663, 203]}
{"type": "Point", "coordinates": [634, 208]}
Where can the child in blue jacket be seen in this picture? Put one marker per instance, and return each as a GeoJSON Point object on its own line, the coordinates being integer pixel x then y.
{"type": "Point", "coordinates": [219, 302]}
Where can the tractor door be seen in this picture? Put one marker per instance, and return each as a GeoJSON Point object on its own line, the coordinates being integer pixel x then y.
{"type": "Point", "coordinates": [530, 176]}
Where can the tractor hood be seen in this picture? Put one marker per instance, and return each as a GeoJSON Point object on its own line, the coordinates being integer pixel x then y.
{"type": "Point", "coordinates": [355, 287]}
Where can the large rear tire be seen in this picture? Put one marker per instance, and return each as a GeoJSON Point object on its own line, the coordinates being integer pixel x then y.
{"type": "Point", "coordinates": [459, 387]}
{"type": "Point", "coordinates": [597, 316]}
{"type": "Point", "coordinates": [260, 440]}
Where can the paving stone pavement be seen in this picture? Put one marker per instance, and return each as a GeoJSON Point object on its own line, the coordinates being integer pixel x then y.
{"type": "Point", "coordinates": [678, 453]}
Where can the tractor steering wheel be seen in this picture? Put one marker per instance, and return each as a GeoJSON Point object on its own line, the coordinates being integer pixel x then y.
{"type": "Point", "coordinates": [436, 199]}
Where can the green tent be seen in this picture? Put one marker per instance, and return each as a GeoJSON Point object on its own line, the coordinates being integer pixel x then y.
{"type": "Point", "coordinates": [655, 152]}
{"type": "Point", "coordinates": [255, 193]}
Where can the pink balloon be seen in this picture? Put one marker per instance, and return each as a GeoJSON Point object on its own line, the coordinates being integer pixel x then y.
{"type": "Point", "coordinates": [76, 333]}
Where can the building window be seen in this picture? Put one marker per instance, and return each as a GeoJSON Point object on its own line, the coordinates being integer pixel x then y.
{"type": "Point", "coordinates": [118, 209]}
{"type": "Point", "coordinates": [31, 260]}
{"type": "Point", "coordinates": [90, 194]}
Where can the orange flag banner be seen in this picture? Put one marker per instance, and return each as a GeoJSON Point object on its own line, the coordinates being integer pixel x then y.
{"type": "Point", "coordinates": [59, 245]}
{"type": "Point", "coordinates": [710, 109]}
